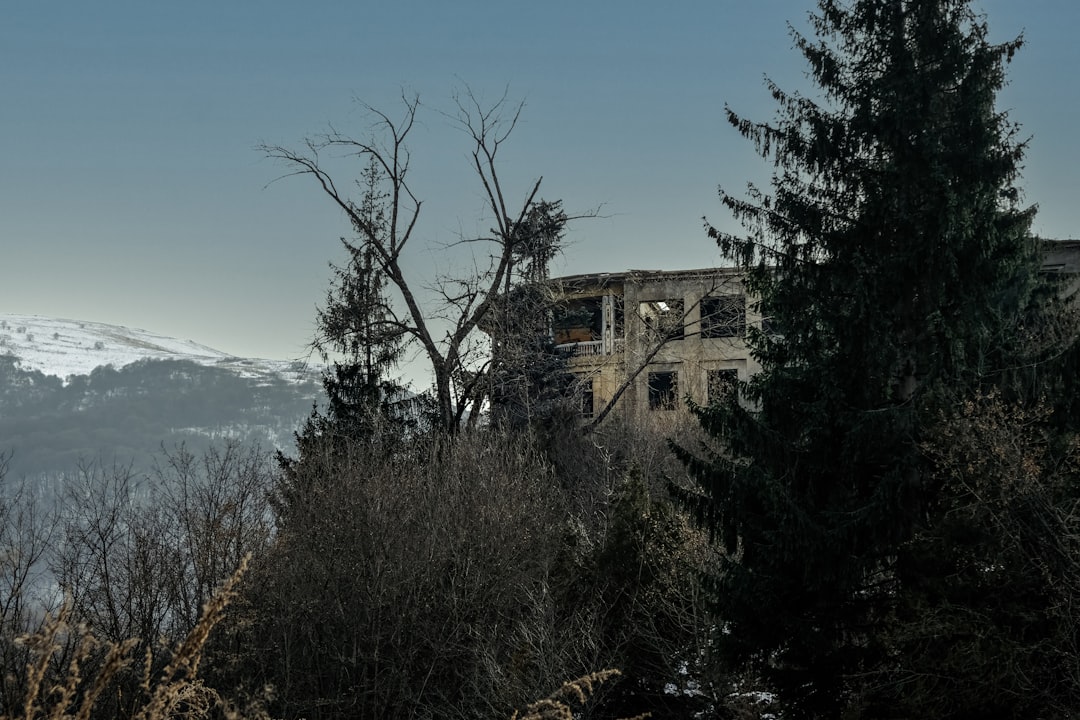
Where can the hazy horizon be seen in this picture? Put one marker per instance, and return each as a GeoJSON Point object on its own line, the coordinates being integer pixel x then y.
{"type": "Point", "coordinates": [132, 194]}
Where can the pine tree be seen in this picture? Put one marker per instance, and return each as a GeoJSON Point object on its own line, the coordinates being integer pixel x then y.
{"type": "Point", "coordinates": [361, 343]}
{"type": "Point", "coordinates": [356, 328]}
{"type": "Point", "coordinates": [529, 381]}
{"type": "Point", "coordinates": [892, 260]}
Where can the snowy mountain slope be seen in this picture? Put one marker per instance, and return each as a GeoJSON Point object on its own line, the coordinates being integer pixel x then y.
{"type": "Point", "coordinates": [74, 391]}
{"type": "Point", "coordinates": [62, 348]}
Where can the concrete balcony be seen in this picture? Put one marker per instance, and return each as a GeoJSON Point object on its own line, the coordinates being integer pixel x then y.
{"type": "Point", "coordinates": [591, 348]}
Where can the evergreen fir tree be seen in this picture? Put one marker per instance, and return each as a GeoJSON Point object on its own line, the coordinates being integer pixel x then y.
{"type": "Point", "coordinates": [892, 260]}
{"type": "Point", "coordinates": [361, 343]}
{"type": "Point", "coordinates": [529, 380]}
{"type": "Point", "coordinates": [356, 328]}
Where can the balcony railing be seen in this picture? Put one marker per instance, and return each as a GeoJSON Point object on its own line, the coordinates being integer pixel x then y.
{"type": "Point", "coordinates": [591, 348]}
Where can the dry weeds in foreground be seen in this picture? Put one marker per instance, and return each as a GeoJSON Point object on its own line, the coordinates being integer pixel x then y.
{"type": "Point", "coordinates": [556, 705]}
{"type": "Point", "coordinates": [175, 693]}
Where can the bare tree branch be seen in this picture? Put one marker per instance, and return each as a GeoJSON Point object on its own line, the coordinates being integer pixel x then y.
{"type": "Point", "coordinates": [660, 341]}
{"type": "Point", "coordinates": [464, 303]}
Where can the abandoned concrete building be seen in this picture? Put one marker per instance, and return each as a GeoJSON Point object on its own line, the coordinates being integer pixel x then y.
{"type": "Point", "coordinates": [1062, 258]}
{"type": "Point", "coordinates": [684, 329]}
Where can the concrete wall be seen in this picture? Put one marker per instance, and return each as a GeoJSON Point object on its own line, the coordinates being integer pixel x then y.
{"type": "Point", "coordinates": [689, 355]}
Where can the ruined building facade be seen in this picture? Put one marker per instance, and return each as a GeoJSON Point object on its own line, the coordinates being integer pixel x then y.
{"type": "Point", "coordinates": [681, 333]}
{"type": "Point", "coordinates": [684, 330]}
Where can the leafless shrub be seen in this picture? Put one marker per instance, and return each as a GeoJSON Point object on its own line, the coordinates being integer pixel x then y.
{"type": "Point", "coordinates": [394, 575]}
{"type": "Point", "coordinates": [134, 556]}
{"type": "Point", "coordinates": [26, 534]}
{"type": "Point", "coordinates": [456, 580]}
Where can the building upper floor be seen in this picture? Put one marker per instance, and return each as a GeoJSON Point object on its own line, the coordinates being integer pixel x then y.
{"type": "Point", "coordinates": [681, 333]}
{"type": "Point", "coordinates": [601, 315]}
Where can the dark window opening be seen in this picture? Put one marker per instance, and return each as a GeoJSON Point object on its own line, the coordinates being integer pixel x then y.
{"type": "Point", "coordinates": [617, 316]}
{"type": "Point", "coordinates": [663, 317]}
{"type": "Point", "coordinates": [587, 407]}
{"type": "Point", "coordinates": [723, 316]}
{"type": "Point", "coordinates": [578, 320]}
{"type": "Point", "coordinates": [663, 390]}
{"type": "Point", "coordinates": [721, 384]}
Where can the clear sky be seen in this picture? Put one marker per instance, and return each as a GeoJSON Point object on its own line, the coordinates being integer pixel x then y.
{"type": "Point", "coordinates": [131, 192]}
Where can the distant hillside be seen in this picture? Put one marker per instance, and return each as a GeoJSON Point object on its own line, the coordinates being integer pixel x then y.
{"type": "Point", "coordinates": [75, 391]}
{"type": "Point", "coordinates": [60, 347]}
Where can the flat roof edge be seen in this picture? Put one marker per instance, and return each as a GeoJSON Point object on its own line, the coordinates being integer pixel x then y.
{"type": "Point", "coordinates": [609, 277]}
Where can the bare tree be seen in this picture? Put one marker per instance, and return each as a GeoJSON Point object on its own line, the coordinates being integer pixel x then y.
{"type": "Point", "coordinates": [26, 527]}
{"type": "Point", "coordinates": [218, 512]}
{"type": "Point", "coordinates": [457, 358]}
{"type": "Point", "coordinates": [139, 556]}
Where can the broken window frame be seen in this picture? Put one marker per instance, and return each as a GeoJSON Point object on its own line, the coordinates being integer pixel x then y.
{"type": "Point", "coordinates": [663, 389]}
{"type": "Point", "coordinates": [574, 317]}
{"type": "Point", "coordinates": [587, 397]}
{"type": "Point", "coordinates": [723, 316]}
{"type": "Point", "coordinates": [589, 325]}
{"type": "Point", "coordinates": [720, 384]}
{"type": "Point", "coordinates": [665, 318]}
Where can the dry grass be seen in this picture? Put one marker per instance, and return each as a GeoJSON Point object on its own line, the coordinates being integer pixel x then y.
{"type": "Point", "coordinates": [556, 706]}
{"type": "Point", "coordinates": [175, 693]}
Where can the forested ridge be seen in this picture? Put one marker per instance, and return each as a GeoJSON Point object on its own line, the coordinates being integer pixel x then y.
{"type": "Point", "coordinates": [50, 425]}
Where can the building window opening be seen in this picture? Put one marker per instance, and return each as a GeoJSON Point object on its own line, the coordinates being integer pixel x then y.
{"type": "Point", "coordinates": [617, 316]}
{"type": "Point", "coordinates": [663, 318]}
{"type": "Point", "coordinates": [578, 320]}
{"type": "Point", "coordinates": [721, 385]}
{"type": "Point", "coordinates": [663, 390]}
{"type": "Point", "coordinates": [723, 316]}
{"type": "Point", "coordinates": [588, 408]}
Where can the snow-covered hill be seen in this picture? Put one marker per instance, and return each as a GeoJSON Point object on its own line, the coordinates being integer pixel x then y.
{"type": "Point", "coordinates": [76, 391]}
{"type": "Point", "coordinates": [60, 347]}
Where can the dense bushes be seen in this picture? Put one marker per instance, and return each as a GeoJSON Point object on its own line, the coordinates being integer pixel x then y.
{"type": "Point", "coordinates": [447, 577]}
{"type": "Point", "coordinates": [462, 578]}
